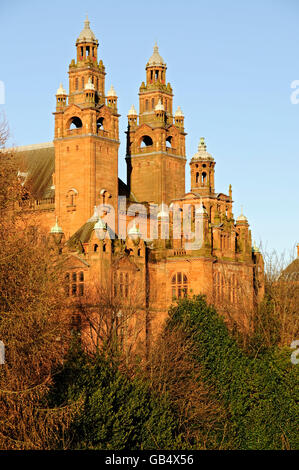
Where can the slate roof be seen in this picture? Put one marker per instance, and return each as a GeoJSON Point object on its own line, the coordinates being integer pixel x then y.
{"type": "Point", "coordinates": [39, 162]}
{"type": "Point", "coordinates": [291, 273]}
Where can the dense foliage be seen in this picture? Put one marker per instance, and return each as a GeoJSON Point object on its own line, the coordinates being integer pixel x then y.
{"type": "Point", "coordinates": [261, 393]}
{"type": "Point", "coordinates": [117, 412]}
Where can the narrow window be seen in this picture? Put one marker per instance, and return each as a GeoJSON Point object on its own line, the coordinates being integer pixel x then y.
{"type": "Point", "coordinates": [81, 289]}
{"type": "Point", "coordinates": [179, 286]}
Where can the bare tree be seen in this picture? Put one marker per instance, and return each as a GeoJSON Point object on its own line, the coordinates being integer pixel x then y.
{"type": "Point", "coordinates": [170, 368]}
{"type": "Point", "coordinates": [112, 321]}
{"type": "Point", "coordinates": [34, 328]}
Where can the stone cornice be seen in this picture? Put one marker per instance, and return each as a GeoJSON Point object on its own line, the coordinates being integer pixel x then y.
{"type": "Point", "coordinates": [156, 153]}
{"type": "Point", "coordinates": [86, 135]}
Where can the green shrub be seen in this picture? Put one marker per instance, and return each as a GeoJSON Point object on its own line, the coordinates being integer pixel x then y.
{"type": "Point", "coordinates": [260, 394]}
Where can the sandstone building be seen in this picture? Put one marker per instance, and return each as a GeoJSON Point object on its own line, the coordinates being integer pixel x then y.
{"type": "Point", "coordinates": [97, 218]}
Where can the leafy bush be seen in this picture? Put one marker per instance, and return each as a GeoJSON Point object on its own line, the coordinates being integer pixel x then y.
{"type": "Point", "coordinates": [261, 394]}
{"type": "Point", "coordinates": [118, 412]}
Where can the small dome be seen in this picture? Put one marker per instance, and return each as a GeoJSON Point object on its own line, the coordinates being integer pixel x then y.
{"type": "Point", "coordinates": [112, 92]}
{"type": "Point", "coordinates": [255, 249]}
{"type": "Point", "coordinates": [100, 225]}
{"type": "Point", "coordinates": [132, 111]}
{"type": "Point", "coordinates": [202, 153]}
{"type": "Point", "coordinates": [86, 34]}
{"type": "Point", "coordinates": [156, 59]}
{"type": "Point", "coordinates": [179, 112]}
{"type": "Point", "coordinates": [159, 106]}
{"type": "Point", "coordinates": [61, 90]}
{"type": "Point", "coordinates": [89, 85]}
{"type": "Point", "coordinates": [242, 217]}
{"type": "Point", "coordinates": [56, 228]}
{"type": "Point", "coordinates": [134, 231]}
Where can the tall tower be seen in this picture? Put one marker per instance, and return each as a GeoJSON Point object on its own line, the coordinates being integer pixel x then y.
{"type": "Point", "coordinates": [202, 167]}
{"type": "Point", "coordinates": [86, 139]}
{"type": "Point", "coordinates": [156, 140]}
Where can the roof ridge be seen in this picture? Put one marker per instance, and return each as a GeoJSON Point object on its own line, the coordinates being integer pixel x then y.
{"type": "Point", "coordinates": [22, 148]}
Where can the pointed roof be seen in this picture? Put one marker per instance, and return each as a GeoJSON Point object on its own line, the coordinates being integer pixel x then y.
{"type": "Point", "coordinates": [61, 90]}
{"type": "Point", "coordinates": [242, 217]}
{"type": "Point", "coordinates": [179, 112]}
{"type": "Point", "coordinates": [112, 92]}
{"type": "Point", "coordinates": [202, 153]}
{"type": "Point", "coordinates": [86, 34]}
{"type": "Point", "coordinates": [132, 111]}
{"type": "Point", "coordinates": [155, 58]}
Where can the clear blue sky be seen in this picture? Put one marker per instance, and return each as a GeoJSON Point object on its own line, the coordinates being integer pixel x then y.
{"type": "Point", "coordinates": [231, 64]}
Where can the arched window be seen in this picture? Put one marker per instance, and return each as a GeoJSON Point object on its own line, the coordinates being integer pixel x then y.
{"type": "Point", "coordinates": [100, 124]}
{"type": "Point", "coordinates": [105, 196]}
{"type": "Point", "coordinates": [146, 141]}
{"type": "Point", "coordinates": [146, 105]}
{"type": "Point", "coordinates": [197, 177]}
{"type": "Point", "coordinates": [204, 177]}
{"type": "Point", "coordinates": [179, 286]}
{"type": "Point", "coordinates": [75, 123]}
{"type": "Point", "coordinates": [169, 142]}
{"type": "Point", "coordinates": [71, 198]}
